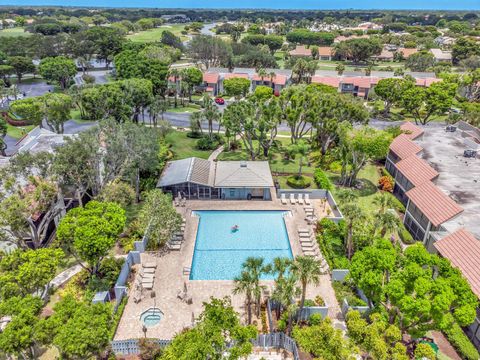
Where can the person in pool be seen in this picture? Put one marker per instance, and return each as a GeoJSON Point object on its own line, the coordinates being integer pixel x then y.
{"type": "Point", "coordinates": [235, 228]}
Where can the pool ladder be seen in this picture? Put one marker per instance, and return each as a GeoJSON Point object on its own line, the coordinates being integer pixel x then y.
{"type": "Point", "coordinates": [186, 270]}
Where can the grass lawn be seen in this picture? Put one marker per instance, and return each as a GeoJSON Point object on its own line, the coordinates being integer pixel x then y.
{"type": "Point", "coordinates": [282, 180]}
{"type": "Point", "coordinates": [369, 175]}
{"type": "Point", "coordinates": [18, 131]}
{"type": "Point", "coordinates": [183, 109]}
{"type": "Point", "coordinates": [16, 31]}
{"type": "Point", "coordinates": [279, 56]}
{"type": "Point", "coordinates": [75, 115]}
{"type": "Point", "coordinates": [183, 146]}
{"type": "Point", "coordinates": [153, 35]}
{"type": "Point", "coordinates": [276, 158]}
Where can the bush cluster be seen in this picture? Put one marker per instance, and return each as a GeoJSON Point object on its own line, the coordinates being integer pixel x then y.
{"type": "Point", "coordinates": [207, 142]}
{"type": "Point", "coordinates": [386, 183]}
{"type": "Point", "coordinates": [322, 180]}
{"type": "Point", "coordinates": [461, 343]}
{"type": "Point", "coordinates": [298, 182]}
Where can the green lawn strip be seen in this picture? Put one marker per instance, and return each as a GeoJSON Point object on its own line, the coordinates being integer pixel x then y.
{"type": "Point", "coordinates": [184, 147]}
{"type": "Point", "coordinates": [17, 132]}
{"type": "Point", "coordinates": [12, 32]}
{"type": "Point", "coordinates": [183, 109]}
{"type": "Point", "coordinates": [153, 35]}
{"type": "Point", "coordinates": [276, 158]}
{"type": "Point", "coordinates": [75, 115]}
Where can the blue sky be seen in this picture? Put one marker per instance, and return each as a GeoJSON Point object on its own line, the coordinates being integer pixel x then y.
{"type": "Point", "coordinates": [269, 4]}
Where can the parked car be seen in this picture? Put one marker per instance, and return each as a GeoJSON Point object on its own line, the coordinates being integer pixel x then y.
{"type": "Point", "coordinates": [219, 101]}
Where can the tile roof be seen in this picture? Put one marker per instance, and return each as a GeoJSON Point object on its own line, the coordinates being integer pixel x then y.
{"type": "Point", "coordinates": [433, 203]}
{"type": "Point", "coordinates": [385, 54]}
{"type": "Point", "coordinates": [407, 52]}
{"type": "Point", "coordinates": [430, 81]}
{"type": "Point", "coordinates": [326, 80]}
{"type": "Point", "coordinates": [325, 51]}
{"type": "Point", "coordinates": [463, 251]}
{"type": "Point", "coordinates": [362, 82]}
{"type": "Point", "coordinates": [403, 147]}
{"type": "Point", "coordinates": [416, 170]}
{"type": "Point", "coordinates": [277, 79]}
{"type": "Point", "coordinates": [413, 131]}
{"type": "Point", "coordinates": [250, 174]}
{"type": "Point", "coordinates": [211, 78]}
{"type": "Point", "coordinates": [439, 54]}
{"type": "Point", "coordinates": [236, 76]}
{"type": "Point", "coordinates": [301, 50]}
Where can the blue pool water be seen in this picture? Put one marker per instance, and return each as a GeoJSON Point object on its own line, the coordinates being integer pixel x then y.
{"type": "Point", "coordinates": [220, 252]}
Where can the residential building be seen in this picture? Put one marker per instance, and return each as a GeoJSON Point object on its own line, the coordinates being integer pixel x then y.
{"type": "Point", "coordinates": [463, 250]}
{"type": "Point", "coordinates": [325, 53]}
{"type": "Point", "coordinates": [441, 55]}
{"type": "Point", "coordinates": [195, 178]}
{"type": "Point", "coordinates": [212, 82]}
{"type": "Point", "coordinates": [41, 140]}
{"type": "Point", "coordinates": [301, 51]}
{"type": "Point", "coordinates": [407, 52]}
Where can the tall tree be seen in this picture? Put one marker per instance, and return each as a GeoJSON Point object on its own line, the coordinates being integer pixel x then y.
{"type": "Point", "coordinates": [107, 41]}
{"type": "Point", "coordinates": [216, 335]}
{"type": "Point", "coordinates": [58, 69]}
{"type": "Point", "coordinates": [423, 103]}
{"type": "Point", "coordinates": [308, 271]}
{"type": "Point", "coordinates": [90, 232]}
{"type": "Point", "coordinates": [415, 290]}
{"type": "Point", "coordinates": [210, 51]}
{"type": "Point", "coordinates": [21, 65]}
{"type": "Point", "coordinates": [390, 92]}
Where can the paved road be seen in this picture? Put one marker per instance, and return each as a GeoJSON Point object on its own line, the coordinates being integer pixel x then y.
{"type": "Point", "coordinates": [35, 89]}
{"type": "Point", "coordinates": [99, 75]}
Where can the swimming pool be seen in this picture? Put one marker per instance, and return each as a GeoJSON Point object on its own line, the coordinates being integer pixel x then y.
{"type": "Point", "coordinates": [220, 251]}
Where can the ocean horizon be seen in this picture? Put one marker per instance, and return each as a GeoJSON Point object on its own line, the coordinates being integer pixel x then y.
{"type": "Point", "coordinates": [255, 4]}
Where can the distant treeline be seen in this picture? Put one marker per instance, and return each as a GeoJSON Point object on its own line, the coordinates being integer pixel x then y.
{"type": "Point", "coordinates": [208, 15]}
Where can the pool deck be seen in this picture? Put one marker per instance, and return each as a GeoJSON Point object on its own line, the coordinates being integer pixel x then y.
{"type": "Point", "coordinates": [170, 278]}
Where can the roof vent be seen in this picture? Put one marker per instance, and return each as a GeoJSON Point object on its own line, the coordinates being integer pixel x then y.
{"type": "Point", "coordinates": [451, 128]}
{"type": "Point", "coordinates": [243, 164]}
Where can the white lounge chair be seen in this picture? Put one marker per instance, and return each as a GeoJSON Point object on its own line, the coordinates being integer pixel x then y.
{"type": "Point", "coordinates": [283, 199]}
{"type": "Point", "coordinates": [300, 199]}
{"type": "Point", "coordinates": [151, 264]}
{"type": "Point", "coordinates": [307, 199]}
{"type": "Point", "coordinates": [293, 201]}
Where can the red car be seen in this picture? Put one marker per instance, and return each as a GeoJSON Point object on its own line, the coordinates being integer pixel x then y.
{"type": "Point", "coordinates": [220, 101]}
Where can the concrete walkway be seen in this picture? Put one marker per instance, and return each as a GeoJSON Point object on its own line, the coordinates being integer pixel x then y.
{"type": "Point", "coordinates": [213, 156]}
{"type": "Point", "coordinates": [65, 275]}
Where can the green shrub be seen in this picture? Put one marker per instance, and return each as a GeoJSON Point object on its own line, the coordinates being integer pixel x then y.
{"type": "Point", "coordinates": [344, 290]}
{"type": "Point", "coordinates": [330, 238]}
{"type": "Point", "coordinates": [335, 166]}
{"type": "Point", "coordinates": [397, 205]}
{"type": "Point", "coordinates": [297, 182]}
{"type": "Point", "coordinates": [209, 143]}
{"type": "Point", "coordinates": [461, 343]}
{"type": "Point", "coordinates": [322, 180]}
{"type": "Point", "coordinates": [315, 319]}
{"type": "Point", "coordinates": [309, 302]}
{"type": "Point", "coordinates": [405, 236]}
{"type": "Point", "coordinates": [319, 301]}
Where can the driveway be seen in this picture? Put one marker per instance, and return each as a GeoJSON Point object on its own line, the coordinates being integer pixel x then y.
{"type": "Point", "coordinates": [35, 89]}
{"type": "Point", "coordinates": [99, 75]}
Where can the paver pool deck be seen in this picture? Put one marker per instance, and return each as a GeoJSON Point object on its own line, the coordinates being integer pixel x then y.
{"type": "Point", "coordinates": [170, 277]}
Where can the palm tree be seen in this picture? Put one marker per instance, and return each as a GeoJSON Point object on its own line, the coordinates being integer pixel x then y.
{"type": "Point", "coordinates": [280, 267]}
{"type": "Point", "coordinates": [353, 215]}
{"type": "Point", "coordinates": [175, 73]}
{"type": "Point", "coordinates": [308, 270]}
{"type": "Point", "coordinates": [384, 201]}
{"type": "Point", "coordinates": [255, 268]}
{"type": "Point", "coordinates": [262, 73]}
{"type": "Point", "coordinates": [244, 285]}
{"type": "Point", "coordinates": [284, 294]}
{"type": "Point", "coordinates": [386, 221]}
{"type": "Point", "coordinates": [210, 113]}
